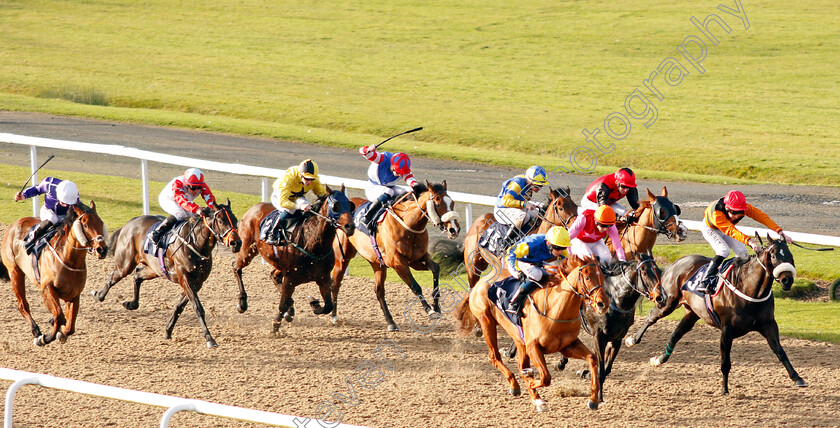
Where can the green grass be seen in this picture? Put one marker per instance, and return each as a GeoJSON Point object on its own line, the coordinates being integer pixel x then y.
{"type": "Point", "coordinates": [509, 83]}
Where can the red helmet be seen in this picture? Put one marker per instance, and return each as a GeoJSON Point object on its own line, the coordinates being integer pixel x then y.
{"type": "Point", "coordinates": [401, 163]}
{"type": "Point", "coordinates": [193, 177]}
{"type": "Point", "coordinates": [625, 177]}
{"type": "Point", "coordinates": [735, 201]}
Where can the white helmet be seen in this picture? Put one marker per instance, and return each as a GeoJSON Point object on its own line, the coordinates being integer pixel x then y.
{"type": "Point", "coordinates": [66, 192]}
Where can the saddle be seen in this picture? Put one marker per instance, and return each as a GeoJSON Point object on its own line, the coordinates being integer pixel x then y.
{"type": "Point", "coordinates": [500, 293]}
{"type": "Point", "coordinates": [493, 240]}
{"type": "Point", "coordinates": [38, 245]}
{"type": "Point", "coordinates": [283, 227]}
{"type": "Point", "coordinates": [359, 217]}
{"type": "Point", "coordinates": [696, 280]}
{"type": "Point", "coordinates": [152, 247]}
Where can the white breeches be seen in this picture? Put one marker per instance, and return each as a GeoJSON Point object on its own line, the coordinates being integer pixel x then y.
{"type": "Point", "coordinates": [586, 204]}
{"type": "Point", "coordinates": [722, 243]}
{"type": "Point", "coordinates": [374, 191]}
{"type": "Point", "coordinates": [598, 249]}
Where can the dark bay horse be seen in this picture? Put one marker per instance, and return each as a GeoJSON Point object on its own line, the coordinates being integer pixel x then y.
{"type": "Point", "coordinates": [62, 270]}
{"type": "Point", "coordinates": [656, 215]}
{"type": "Point", "coordinates": [403, 242]}
{"type": "Point", "coordinates": [744, 303]}
{"type": "Point", "coordinates": [560, 211]}
{"type": "Point", "coordinates": [551, 323]}
{"type": "Point", "coordinates": [188, 260]}
{"type": "Point", "coordinates": [309, 256]}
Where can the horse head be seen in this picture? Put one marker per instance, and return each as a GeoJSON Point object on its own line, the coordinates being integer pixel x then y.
{"type": "Point", "coordinates": [339, 210]}
{"type": "Point", "coordinates": [587, 281]}
{"type": "Point", "coordinates": [777, 260]}
{"type": "Point", "coordinates": [665, 216]}
{"type": "Point", "coordinates": [561, 209]}
{"type": "Point", "coordinates": [88, 229]}
{"type": "Point", "coordinates": [440, 208]}
{"type": "Point", "coordinates": [222, 223]}
{"type": "Point", "coordinates": [650, 278]}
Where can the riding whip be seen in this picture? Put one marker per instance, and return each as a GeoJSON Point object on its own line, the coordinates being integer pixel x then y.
{"type": "Point", "coordinates": [401, 133]}
{"type": "Point", "coordinates": [36, 171]}
{"type": "Point", "coordinates": [813, 249]}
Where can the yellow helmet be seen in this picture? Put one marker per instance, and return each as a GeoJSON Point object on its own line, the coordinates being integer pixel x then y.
{"type": "Point", "coordinates": [558, 236]}
{"type": "Point", "coordinates": [308, 169]}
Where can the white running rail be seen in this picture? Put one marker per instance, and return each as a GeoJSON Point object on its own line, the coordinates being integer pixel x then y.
{"type": "Point", "coordinates": [172, 404]}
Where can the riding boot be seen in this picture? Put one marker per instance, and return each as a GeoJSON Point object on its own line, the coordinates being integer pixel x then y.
{"type": "Point", "coordinates": [709, 283]}
{"type": "Point", "coordinates": [273, 237]}
{"type": "Point", "coordinates": [41, 230]}
{"type": "Point", "coordinates": [516, 302]}
{"type": "Point", "coordinates": [370, 215]}
{"type": "Point", "coordinates": [161, 230]}
{"type": "Point", "coordinates": [510, 237]}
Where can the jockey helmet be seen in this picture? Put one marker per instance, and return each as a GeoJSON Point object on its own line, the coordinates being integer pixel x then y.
{"type": "Point", "coordinates": [193, 177]}
{"type": "Point", "coordinates": [401, 163]}
{"type": "Point", "coordinates": [66, 192]}
{"type": "Point", "coordinates": [625, 177]}
{"type": "Point", "coordinates": [735, 201]}
{"type": "Point", "coordinates": [558, 236]}
{"type": "Point", "coordinates": [605, 215]}
{"type": "Point", "coordinates": [308, 169]}
{"type": "Point", "coordinates": [537, 176]}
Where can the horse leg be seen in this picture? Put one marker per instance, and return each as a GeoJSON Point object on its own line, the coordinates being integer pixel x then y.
{"type": "Point", "coordinates": [72, 310]}
{"type": "Point", "coordinates": [475, 265]}
{"type": "Point", "coordinates": [655, 315]}
{"type": "Point", "coordinates": [488, 326]}
{"type": "Point", "coordinates": [426, 263]}
{"type": "Point", "coordinates": [179, 307]}
{"type": "Point", "coordinates": [121, 270]}
{"type": "Point", "coordinates": [686, 324]}
{"type": "Point", "coordinates": [141, 273]}
{"type": "Point", "coordinates": [401, 266]}
{"type": "Point", "coordinates": [379, 274]}
{"type": "Point", "coordinates": [610, 353]}
{"type": "Point", "coordinates": [51, 301]}
{"type": "Point", "coordinates": [192, 295]}
{"type": "Point", "coordinates": [339, 270]}
{"type": "Point", "coordinates": [770, 331]}
{"type": "Point", "coordinates": [19, 288]}
{"type": "Point", "coordinates": [726, 338]}
{"type": "Point", "coordinates": [535, 352]}
{"type": "Point", "coordinates": [325, 287]}
{"type": "Point", "coordinates": [578, 350]}
{"type": "Point", "coordinates": [240, 260]}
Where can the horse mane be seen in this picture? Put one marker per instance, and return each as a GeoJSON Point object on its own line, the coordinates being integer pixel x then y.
{"type": "Point", "coordinates": [319, 203]}
{"type": "Point", "coordinates": [71, 217]}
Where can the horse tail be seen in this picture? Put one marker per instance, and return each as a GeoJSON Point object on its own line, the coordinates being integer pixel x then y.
{"type": "Point", "coordinates": [112, 240]}
{"type": "Point", "coordinates": [464, 316]}
{"type": "Point", "coordinates": [448, 254]}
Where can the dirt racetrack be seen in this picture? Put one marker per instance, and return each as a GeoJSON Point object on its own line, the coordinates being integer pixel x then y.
{"type": "Point", "coordinates": [442, 379]}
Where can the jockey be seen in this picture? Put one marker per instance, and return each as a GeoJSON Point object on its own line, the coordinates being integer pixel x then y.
{"type": "Point", "coordinates": [718, 228]}
{"type": "Point", "coordinates": [177, 198]}
{"type": "Point", "coordinates": [588, 232]}
{"type": "Point", "coordinates": [385, 171]}
{"type": "Point", "coordinates": [514, 205]}
{"type": "Point", "coordinates": [59, 196]}
{"type": "Point", "coordinates": [289, 190]}
{"type": "Point", "coordinates": [526, 258]}
{"type": "Point", "coordinates": [609, 189]}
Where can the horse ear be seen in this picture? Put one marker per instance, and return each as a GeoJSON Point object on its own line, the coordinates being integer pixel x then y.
{"type": "Point", "coordinates": [443, 184]}
{"type": "Point", "coordinates": [568, 192]}
{"type": "Point", "coordinates": [93, 206]}
{"type": "Point", "coordinates": [228, 202]}
{"type": "Point", "coordinates": [650, 195]}
{"type": "Point", "coordinates": [428, 185]}
{"type": "Point", "coordinates": [664, 191]}
{"type": "Point", "coordinates": [328, 189]}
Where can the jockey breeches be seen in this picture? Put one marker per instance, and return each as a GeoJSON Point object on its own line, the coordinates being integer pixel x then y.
{"type": "Point", "coordinates": [513, 216]}
{"type": "Point", "coordinates": [722, 243]}
{"type": "Point", "coordinates": [374, 191]}
{"type": "Point", "coordinates": [172, 207]}
{"type": "Point", "coordinates": [586, 204]}
{"type": "Point", "coordinates": [533, 272]}
{"type": "Point", "coordinates": [598, 249]}
{"type": "Point", "coordinates": [48, 214]}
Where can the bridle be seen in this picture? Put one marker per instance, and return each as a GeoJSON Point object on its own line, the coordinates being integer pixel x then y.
{"type": "Point", "coordinates": [587, 297]}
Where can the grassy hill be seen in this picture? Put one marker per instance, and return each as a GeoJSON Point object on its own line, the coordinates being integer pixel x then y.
{"type": "Point", "coordinates": [509, 83]}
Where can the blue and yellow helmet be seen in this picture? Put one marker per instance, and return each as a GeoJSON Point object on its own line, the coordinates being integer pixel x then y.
{"type": "Point", "coordinates": [537, 176]}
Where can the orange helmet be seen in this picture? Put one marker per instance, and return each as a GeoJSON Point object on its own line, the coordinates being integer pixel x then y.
{"type": "Point", "coordinates": [605, 215]}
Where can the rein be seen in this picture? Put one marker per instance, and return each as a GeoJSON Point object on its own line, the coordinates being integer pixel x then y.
{"type": "Point", "coordinates": [740, 294]}
{"type": "Point", "coordinates": [62, 261]}
{"type": "Point", "coordinates": [585, 298]}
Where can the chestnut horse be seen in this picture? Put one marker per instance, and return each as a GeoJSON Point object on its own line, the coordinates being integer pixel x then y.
{"type": "Point", "coordinates": [657, 215]}
{"type": "Point", "coordinates": [403, 242]}
{"type": "Point", "coordinates": [308, 257]}
{"type": "Point", "coordinates": [560, 211]}
{"type": "Point", "coordinates": [62, 270]}
{"type": "Point", "coordinates": [744, 303]}
{"type": "Point", "coordinates": [551, 323]}
{"type": "Point", "coordinates": [188, 260]}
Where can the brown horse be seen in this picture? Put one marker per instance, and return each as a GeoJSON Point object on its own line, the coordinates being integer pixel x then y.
{"type": "Point", "coordinates": [188, 260]}
{"type": "Point", "coordinates": [560, 211]}
{"type": "Point", "coordinates": [657, 215]}
{"type": "Point", "coordinates": [62, 269]}
{"type": "Point", "coordinates": [309, 256]}
{"type": "Point", "coordinates": [743, 304]}
{"type": "Point", "coordinates": [551, 323]}
{"type": "Point", "coordinates": [403, 242]}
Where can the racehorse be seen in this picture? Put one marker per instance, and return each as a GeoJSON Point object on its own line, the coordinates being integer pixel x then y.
{"type": "Point", "coordinates": [657, 215]}
{"type": "Point", "coordinates": [551, 323]}
{"type": "Point", "coordinates": [307, 257]}
{"type": "Point", "coordinates": [403, 242]}
{"type": "Point", "coordinates": [560, 211]}
{"type": "Point", "coordinates": [744, 303]}
{"type": "Point", "coordinates": [188, 260]}
{"type": "Point", "coordinates": [625, 283]}
{"type": "Point", "coordinates": [61, 272]}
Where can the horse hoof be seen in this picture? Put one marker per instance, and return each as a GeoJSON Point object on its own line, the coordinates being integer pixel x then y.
{"type": "Point", "coordinates": [801, 383]}
{"type": "Point", "coordinates": [560, 366]}
{"type": "Point", "coordinates": [630, 341]}
{"type": "Point", "coordinates": [655, 361]}
{"type": "Point", "coordinates": [96, 296]}
{"type": "Point", "coordinates": [333, 319]}
{"type": "Point", "coordinates": [592, 405]}
{"type": "Point", "coordinates": [477, 332]}
{"type": "Point", "coordinates": [583, 374]}
{"type": "Point", "coordinates": [241, 308]}
{"type": "Point", "coordinates": [515, 392]}
{"type": "Point", "coordinates": [541, 405]}
{"type": "Point", "coordinates": [39, 341]}
{"type": "Point", "coordinates": [288, 317]}
{"type": "Point", "coordinates": [131, 306]}
{"type": "Point", "coordinates": [211, 343]}
{"type": "Point", "coordinates": [61, 337]}
{"type": "Point", "coordinates": [393, 327]}
{"type": "Point", "coordinates": [433, 315]}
